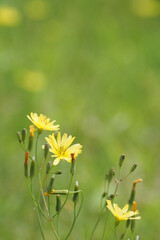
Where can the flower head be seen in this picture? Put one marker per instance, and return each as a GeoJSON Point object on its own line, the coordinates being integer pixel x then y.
{"type": "Point", "coordinates": [42, 122]}
{"type": "Point", "coordinates": [122, 214]}
{"type": "Point", "coordinates": [61, 147]}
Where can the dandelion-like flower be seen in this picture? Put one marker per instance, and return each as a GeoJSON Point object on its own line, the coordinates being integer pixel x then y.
{"type": "Point", "coordinates": [42, 122]}
{"type": "Point", "coordinates": [122, 214]}
{"type": "Point", "coordinates": [61, 147]}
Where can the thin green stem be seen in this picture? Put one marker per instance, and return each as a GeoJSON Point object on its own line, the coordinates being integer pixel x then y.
{"type": "Point", "coordinates": [55, 233]}
{"type": "Point", "coordinates": [116, 233]}
{"type": "Point", "coordinates": [97, 222]}
{"type": "Point", "coordinates": [40, 224]}
{"type": "Point", "coordinates": [65, 199]}
{"type": "Point", "coordinates": [75, 216]}
{"type": "Point", "coordinates": [105, 226]}
{"type": "Point", "coordinates": [58, 223]}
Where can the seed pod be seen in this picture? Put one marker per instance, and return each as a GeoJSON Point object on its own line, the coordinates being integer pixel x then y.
{"type": "Point", "coordinates": [75, 196]}
{"type": "Point", "coordinates": [24, 134]}
{"type": "Point", "coordinates": [48, 167]}
{"type": "Point", "coordinates": [133, 167]}
{"type": "Point", "coordinates": [19, 136]}
{"type": "Point", "coordinates": [121, 160]}
{"type": "Point", "coordinates": [46, 150]}
{"type": "Point", "coordinates": [58, 203]}
{"type": "Point", "coordinates": [32, 168]}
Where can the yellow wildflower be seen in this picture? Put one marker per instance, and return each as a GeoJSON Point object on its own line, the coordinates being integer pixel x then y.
{"type": "Point", "coordinates": [122, 214]}
{"type": "Point", "coordinates": [61, 147]}
{"type": "Point", "coordinates": [42, 122]}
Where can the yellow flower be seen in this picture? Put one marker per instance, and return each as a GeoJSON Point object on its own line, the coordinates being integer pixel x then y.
{"type": "Point", "coordinates": [42, 122]}
{"type": "Point", "coordinates": [61, 147]}
{"type": "Point", "coordinates": [122, 214]}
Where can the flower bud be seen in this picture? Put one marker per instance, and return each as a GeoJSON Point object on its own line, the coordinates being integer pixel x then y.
{"type": "Point", "coordinates": [58, 203]}
{"type": "Point", "coordinates": [46, 150]}
{"type": "Point", "coordinates": [133, 167]}
{"type": "Point", "coordinates": [73, 164]}
{"type": "Point", "coordinates": [75, 196]}
{"type": "Point", "coordinates": [26, 164]}
{"type": "Point", "coordinates": [111, 175]}
{"type": "Point", "coordinates": [121, 160]}
{"type": "Point", "coordinates": [132, 196]}
{"type": "Point", "coordinates": [48, 167]}
{"type": "Point", "coordinates": [31, 136]}
{"type": "Point", "coordinates": [111, 197]}
{"type": "Point", "coordinates": [104, 194]}
{"type": "Point", "coordinates": [24, 134]}
{"type": "Point", "coordinates": [58, 172]}
{"type": "Point", "coordinates": [32, 168]}
{"type": "Point", "coordinates": [19, 136]}
{"type": "Point", "coordinates": [51, 184]}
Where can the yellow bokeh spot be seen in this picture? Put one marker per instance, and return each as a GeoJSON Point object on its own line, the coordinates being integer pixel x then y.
{"type": "Point", "coordinates": [146, 8]}
{"type": "Point", "coordinates": [37, 9]}
{"type": "Point", "coordinates": [32, 81]}
{"type": "Point", "coordinates": [9, 16]}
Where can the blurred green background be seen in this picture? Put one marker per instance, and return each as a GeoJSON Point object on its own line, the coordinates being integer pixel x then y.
{"type": "Point", "coordinates": [94, 66]}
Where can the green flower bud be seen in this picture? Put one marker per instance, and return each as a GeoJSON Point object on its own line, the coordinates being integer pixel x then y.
{"type": "Point", "coordinates": [26, 164]}
{"type": "Point", "coordinates": [58, 203]}
{"type": "Point", "coordinates": [132, 197]}
{"type": "Point", "coordinates": [51, 184]}
{"type": "Point", "coordinates": [111, 175]}
{"type": "Point", "coordinates": [73, 164]}
{"type": "Point", "coordinates": [46, 150]}
{"type": "Point", "coordinates": [30, 143]}
{"type": "Point", "coordinates": [121, 160]}
{"type": "Point", "coordinates": [32, 168]}
{"type": "Point", "coordinates": [48, 167]}
{"type": "Point", "coordinates": [75, 196]}
{"type": "Point", "coordinates": [58, 172]}
{"type": "Point", "coordinates": [24, 134]}
{"type": "Point", "coordinates": [133, 167]}
{"type": "Point", "coordinates": [19, 136]}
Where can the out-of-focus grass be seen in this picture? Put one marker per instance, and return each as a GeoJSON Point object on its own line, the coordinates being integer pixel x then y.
{"type": "Point", "coordinates": [94, 67]}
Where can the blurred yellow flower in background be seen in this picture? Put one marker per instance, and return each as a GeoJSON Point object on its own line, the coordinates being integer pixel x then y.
{"type": "Point", "coordinates": [146, 8]}
{"type": "Point", "coordinates": [9, 16]}
{"type": "Point", "coordinates": [37, 9]}
{"type": "Point", "coordinates": [31, 80]}
{"type": "Point", "coordinates": [61, 147]}
{"type": "Point", "coordinates": [42, 122]}
{"type": "Point", "coordinates": [122, 214]}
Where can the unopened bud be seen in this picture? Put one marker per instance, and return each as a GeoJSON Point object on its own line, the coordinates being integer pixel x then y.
{"type": "Point", "coordinates": [26, 164]}
{"type": "Point", "coordinates": [24, 134]}
{"type": "Point", "coordinates": [31, 136]}
{"type": "Point", "coordinates": [48, 167]}
{"type": "Point", "coordinates": [111, 175]}
{"type": "Point", "coordinates": [134, 206]}
{"type": "Point", "coordinates": [58, 203]}
{"type": "Point", "coordinates": [121, 160]}
{"type": "Point", "coordinates": [73, 164]}
{"type": "Point", "coordinates": [58, 172]}
{"type": "Point", "coordinates": [111, 197]}
{"type": "Point", "coordinates": [51, 184]}
{"type": "Point", "coordinates": [104, 194]}
{"type": "Point", "coordinates": [46, 150]}
{"type": "Point", "coordinates": [75, 196]}
{"type": "Point", "coordinates": [19, 136]}
{"type": "Point", "coordinates": [133, 167]}
{"type": "Point", "coordinates": [132, 197]}
{"type": "Point", "coordinates": [32, 168]}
